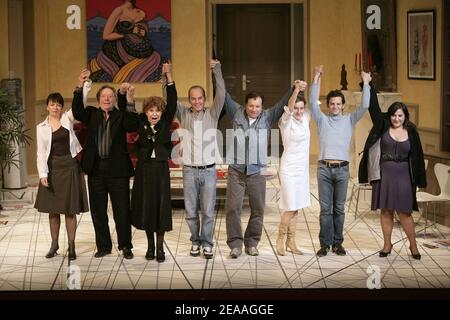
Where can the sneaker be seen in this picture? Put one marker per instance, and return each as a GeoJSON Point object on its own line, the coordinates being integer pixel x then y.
{"type": "Point", "coordinates": [195, 250]}
{"type": "Point", "coordinates": [323, 251]}
{"type": "Point", "coordinates": [251, 251]}
{"type": "Point", "coordinates": [207, 252]}
{"type": "Point", "coordinates": [339, 250]}
{"type": "Point", "coordinates": [235, 252]}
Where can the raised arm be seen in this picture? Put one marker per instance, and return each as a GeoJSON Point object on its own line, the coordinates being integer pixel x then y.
{"type": "Point", "coordinates": [374, 108]}
{"type": "Point", "coordinates": [231, 106]}
{"type": "Point", "coordinates": [78, 110]}
{"type": "Point", "coordinates": [314, 94]}
{"type": "Point", "coordinates": [274, 113]}
{"type": "Point", "coordinates": [299, 86]}
{"type": "Point", "coordinates": [180, 109]}
{"type": "Point", "coordinates": [171, 93]}
{"type": "Point", "coordinates": [219, 98]}
{"type": "Point", "coordinates": [359, 112]}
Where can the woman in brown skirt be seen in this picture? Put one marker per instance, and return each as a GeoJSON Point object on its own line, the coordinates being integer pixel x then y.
{"type": "Point", "coordinates": [62, 188]}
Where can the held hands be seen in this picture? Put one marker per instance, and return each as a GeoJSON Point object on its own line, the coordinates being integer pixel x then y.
{"type": "Point", "coordinates": [213, 63]}
{"type": "Point", "coordinates": [300, 85]}
{"type": "Point", "coordinates": [366, 77]}
{"type": "Point", "coordinates": [84, 76]}
{"type": "Point", "coordinates": [128, 89]}
{"type": "Point", "coordinates": [44, 182]}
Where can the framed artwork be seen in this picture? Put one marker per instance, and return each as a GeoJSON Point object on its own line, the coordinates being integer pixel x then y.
{"type": "Point", "coordinates": [128, 40]}
{"type": "Point", "coordinates": [421, 45]}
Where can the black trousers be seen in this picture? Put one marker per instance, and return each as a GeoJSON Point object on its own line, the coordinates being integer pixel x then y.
{"type": "Point", "coordinates": [100, 185]}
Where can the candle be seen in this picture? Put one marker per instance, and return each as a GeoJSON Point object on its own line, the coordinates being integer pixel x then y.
{"type": "Point", "coordinates": [359, 69]}
{"type": "Point", "coordinates": [356, 58]}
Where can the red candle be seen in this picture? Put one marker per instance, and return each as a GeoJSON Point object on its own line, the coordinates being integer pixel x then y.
{"type": "Point", "coordinates": [359, 62]}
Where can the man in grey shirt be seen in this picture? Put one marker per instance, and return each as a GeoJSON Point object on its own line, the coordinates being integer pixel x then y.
{"type": "Point", "coordinates": [199, 154]}
{"type": "Point", "coordinates": [335, 132]}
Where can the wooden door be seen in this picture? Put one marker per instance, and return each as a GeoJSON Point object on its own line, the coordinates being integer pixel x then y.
{"type": "Point", "coordinates": [253, 43]}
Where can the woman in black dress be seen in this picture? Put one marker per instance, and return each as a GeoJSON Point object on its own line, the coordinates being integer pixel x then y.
{"type": "Point", "coordinates": [151, 208]}
{"type": "Point", "coordinates": [393, 163]}
{"type": "Point", "coordinates": [62, 189]}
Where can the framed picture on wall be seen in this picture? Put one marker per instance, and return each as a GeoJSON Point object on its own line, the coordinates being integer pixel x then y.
{"type": "Point", "coordinates": [421, 45]}
{"type": "Point", "coordinates": [128, 41]}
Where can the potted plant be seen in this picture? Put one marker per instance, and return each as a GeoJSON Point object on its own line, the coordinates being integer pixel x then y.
{"type": "Point", "coordinates": [12, 132]}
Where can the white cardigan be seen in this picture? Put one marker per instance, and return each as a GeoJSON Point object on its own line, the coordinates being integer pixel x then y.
{"type": "Point", "coordinates": [44, 141]}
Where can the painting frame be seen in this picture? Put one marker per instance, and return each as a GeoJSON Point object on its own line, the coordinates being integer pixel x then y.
{"type": "Point", "coordinates": [421, 45]}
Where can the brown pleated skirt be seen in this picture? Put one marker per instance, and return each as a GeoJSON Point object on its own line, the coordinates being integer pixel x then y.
{"type": "Point", "coordinates": [66, 192]}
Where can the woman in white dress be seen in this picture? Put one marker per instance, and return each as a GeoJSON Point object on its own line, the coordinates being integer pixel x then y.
{"type": "Point", "coordinates": [294, 168]}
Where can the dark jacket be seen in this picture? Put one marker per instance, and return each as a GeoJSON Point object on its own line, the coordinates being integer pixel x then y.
{"type": "Point", "coordinates": [162, 145]}
{"type": "Point", "coordinates": [121, 122]}
{"type": "Point", "coordinates": [381, 123]}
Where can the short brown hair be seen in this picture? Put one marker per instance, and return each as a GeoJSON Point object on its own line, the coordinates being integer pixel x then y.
{"type": "Point", "coordinates": [99, 92]}
{"type": "Point", "coordinates": [154, 101]}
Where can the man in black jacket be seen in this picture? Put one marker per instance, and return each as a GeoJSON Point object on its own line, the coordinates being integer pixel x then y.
{"type": "Point", "coordinates": [107, 163]}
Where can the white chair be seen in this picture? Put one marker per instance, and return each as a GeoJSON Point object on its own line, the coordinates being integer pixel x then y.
{"type": "Point", "coordinates": [442, 173]}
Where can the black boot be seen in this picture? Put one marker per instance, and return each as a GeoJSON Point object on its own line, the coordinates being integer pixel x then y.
{"type": "Point", "coordinates": [160, 255]}
{"type": "Point", "coordinates": [72, 253]}
{"type": "Point", "coordinates": [150, 255]}
{"type": "Point", "coordinates": [53, 249]}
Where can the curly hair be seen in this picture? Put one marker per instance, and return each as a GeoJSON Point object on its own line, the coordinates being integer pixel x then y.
{"type": "Point", "coordinates": [154, 101]}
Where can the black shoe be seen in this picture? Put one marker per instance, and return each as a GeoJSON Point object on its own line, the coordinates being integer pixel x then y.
{"type": "Point", "coordinates": [150, 255]}
{"type": "Point", "coordinates": [53, 250]}
{"type": "Point", "coordinates": [323, 251]}
{"type": "Point", "coordinates": [339, 250]}
{"type": "Point", "coordinates": [384, 254]}
{"type": "Point", "coordinates": [72, 253]}
{"type": "Point", "coordinates": [127, 253]}
{"type": "Point", "coordinates": [416, 256]}
{"type": "Point", "coordinates": [160, 256]}
{"type": "Point", "coordinates": [102, 253]}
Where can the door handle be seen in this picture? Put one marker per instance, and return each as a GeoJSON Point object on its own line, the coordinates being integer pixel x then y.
{"type": "Point", "coordinates": [244, 82]}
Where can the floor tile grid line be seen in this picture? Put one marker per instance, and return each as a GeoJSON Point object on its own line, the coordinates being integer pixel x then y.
{"type": "Point", "coordinates": [114, 272]}
{"type": "Point", "coordinates": [11, 230]}
{"type": "Point", "coordinates": [216, 234]}
{"type": "Point", "coordinates": [410, 260]}
{"type": "Point", "coordinates": [228, 278]}
{"type": "Point", "coordinates": [440, 267]}
{"type": "Point", "coordinates": [176, 264]}
{"type": "Point", "coordinates": [304, 268]}
{"type": "Point", "coordinates": [121, 263]}
{"type": "Point", "coordinates": [38, 217]}
{"type": "Point", "coordinates": [278, 259]}
{"type": "Point", "coordinates": [312, 241]}
{"type": "Point", "coordinates": [295, 262]}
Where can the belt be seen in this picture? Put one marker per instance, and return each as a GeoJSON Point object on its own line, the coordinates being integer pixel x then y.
{"type": "Point", "coordinates": [201, 167]}
{"type": "Point", "coordinates": [334, 164]}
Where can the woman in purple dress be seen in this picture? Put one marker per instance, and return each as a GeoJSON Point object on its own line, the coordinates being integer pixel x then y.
{"type": "Point", "coordinates": [393, 163]}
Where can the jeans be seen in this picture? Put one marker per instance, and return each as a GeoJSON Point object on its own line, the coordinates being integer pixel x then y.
{"type": "Point", "coordinates": [332, 184]}
{"type": "Point", "coordinates": [199, 188]}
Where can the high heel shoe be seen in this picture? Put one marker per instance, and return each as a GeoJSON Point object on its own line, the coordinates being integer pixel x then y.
{"type": "Point", "coordinates": [72, 253]}
{"type": "Point", "coordinates": [384, 254]}
{"type": "Point", "coordinates": [416, 256]}
{"type": "Point", "coordinates": [53, 250]}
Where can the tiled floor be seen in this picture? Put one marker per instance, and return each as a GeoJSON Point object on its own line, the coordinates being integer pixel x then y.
{"type": "Point", "coordinates": [25, 239]}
